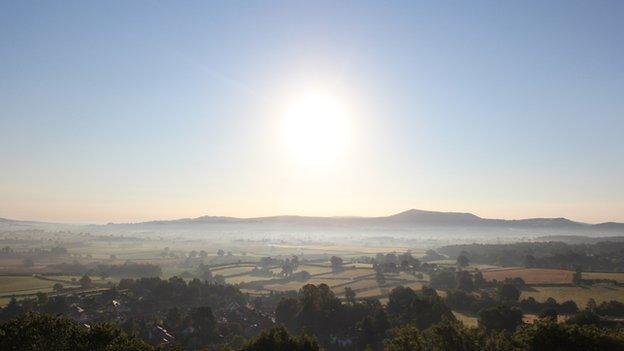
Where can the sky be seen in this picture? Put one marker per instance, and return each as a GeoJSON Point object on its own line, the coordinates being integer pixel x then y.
{"type": "Point", "coordinates": [124, 111]}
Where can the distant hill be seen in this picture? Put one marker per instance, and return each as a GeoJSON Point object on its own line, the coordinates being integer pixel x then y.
{"type": "Point", "coordinates": [409, 218]}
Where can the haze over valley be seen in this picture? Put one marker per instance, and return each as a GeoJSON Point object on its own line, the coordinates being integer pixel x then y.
{"type": "Point", "coordinates": [312, 175]}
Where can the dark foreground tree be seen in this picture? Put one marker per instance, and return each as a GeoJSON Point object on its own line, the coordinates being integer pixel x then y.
{"type": "Point", "coordinates": [547, 335]}
{"type": "Point", "coordinates": [35, 332]}
{"type": "Point", "coordinates": [446, 335]}
{"type": "Point", "coordinates": [278, 339]}
{"type": "Point", "coordinates": [500, 318]}
{"type": "Point", "coordinates": [508, 293]}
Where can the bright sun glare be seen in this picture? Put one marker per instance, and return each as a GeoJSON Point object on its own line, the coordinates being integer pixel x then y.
{"type": "Point", "coordinates": [316, 128]}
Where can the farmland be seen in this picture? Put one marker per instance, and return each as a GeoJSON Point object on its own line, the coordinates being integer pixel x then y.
{"type": "Point", "coordinates": [23, 285]}
{"type": "Point", "coordinates": [618, 277]}
{"type": "Point", "coordinates": [531, 275]}
{"type": "Point", "coordinates": [578, 294]}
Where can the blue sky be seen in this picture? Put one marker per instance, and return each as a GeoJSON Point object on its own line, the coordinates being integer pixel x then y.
{"type": "Point", "coordinates": [124, 111]}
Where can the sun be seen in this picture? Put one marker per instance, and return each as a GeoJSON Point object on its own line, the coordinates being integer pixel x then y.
{"type": "Point", "coordinates": [315, 127]}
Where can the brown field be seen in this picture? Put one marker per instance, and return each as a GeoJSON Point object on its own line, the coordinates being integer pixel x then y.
{"type": "Point", "coordinates": [578, 294]}
{"type": "Point", "coordinates": [619, 277]}
{"type": "Point", "coordinates": [245, 279]}
{"type": "Point", "coordinates": [348, 273]}
{"type": "Point", "coordinates": [531, 275]}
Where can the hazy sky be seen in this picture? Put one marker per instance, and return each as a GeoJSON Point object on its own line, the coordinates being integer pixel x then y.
{"type": "Point", "coordinates": [135, 110]}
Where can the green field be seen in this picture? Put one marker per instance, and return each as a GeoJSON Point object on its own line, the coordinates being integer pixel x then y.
{"type": "Point", "coordinates": [28, 286]}
{"type": "Point", "coordinates": [22, 285]}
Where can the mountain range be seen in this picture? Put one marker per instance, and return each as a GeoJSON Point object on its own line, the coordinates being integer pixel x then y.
{"type": "Point", "coordinates": [410, 218]}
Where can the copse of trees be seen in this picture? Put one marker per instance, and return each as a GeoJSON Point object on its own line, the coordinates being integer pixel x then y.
{"type": "Point", "coordinates": [130, 270]}
{"type": "Point", "coordinates": [317, 311]}
{"type": "Point", "coordinates": [405, 306]}
{"type": "Point", "coordinates": [500, 318]}
{"type": "Point", "coordinates": [336, 263]}
{"type": "Point", "coordinates": [176, 291]}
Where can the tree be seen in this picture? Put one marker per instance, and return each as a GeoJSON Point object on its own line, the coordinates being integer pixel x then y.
{"type": "Point", "coordinates": [42, 298]}
{"type": "Point", "coordinates": [103, 275]}
{"type": "Point", "coordinates": [366, 338]}
{"type": "Point", "coordinates": [193, 254]}
{"type": "Point", "coordinates": [464, 281]}
{"type": "Point", "coordinates": [549, 313]}
{"type": "Point", "coordinates": [57, 287]}
{"type": "Point", "coordinates": [203, 254]}
{"type": "Point", "coordinates": [405, 306]}
{"type": "Point", "coordinates": [577, 277]}
{"type": "Point", "coordinates": [294, 262]}
{"type": "Point", "coordinates": [220, 252]}
{"type": "Point", "coordinates": [591, 304]}
{"type": "Point", "coordinates": [450, 335]}
{"type": "Point", "coordinates": [407, 338]}
{"type": "Point", "coordinates": [278, 339]}
{"type": "Point", "coordinates": [219, 279]}
{"type": "Point", "coordinates": [546, 335]}
{"type": "Point", "coordinates": [479, 281]}
{"type": "Point", "coordinates": [336, 262]}
{"type": "Point", "coordinates": [500, 318]}
{"type": "Point", "coordinates": [85, 281]}
{"type": "Point", "coordinates": [443, 279]}
{"type": "Point", "coordinates": [33, 332]}
{"type": "Point", "coordinates": [350, 295]}
{"type": "Point", "coordinates": [286, 312]}
{"type": "Point", "coordinates": [529, 261]}
{"type": "Point", "coordinates": [508, 293]}
{"type": "Point", "coordinates": [287, 268]}
{"type": "Point", "coordinates": [204, 273]}
{"type": "Point", "coordinates": [462, 261]}
{"type": "Point", "coordinates": [204, 324]}
{"type": "Point", "coordinates": [380, 278]}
